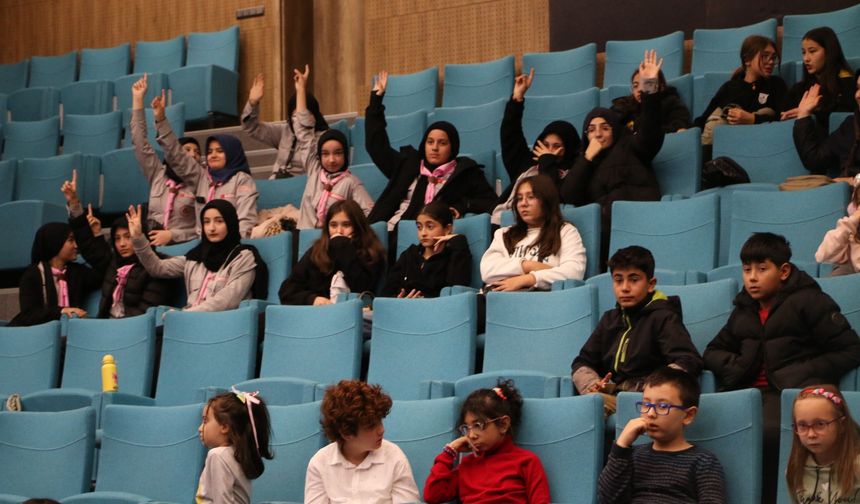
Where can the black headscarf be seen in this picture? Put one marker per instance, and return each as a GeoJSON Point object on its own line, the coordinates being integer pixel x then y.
{"type": "Point", "coordinates": [313, 107]}
{"type": "Point", "coordinates": [338, 136]}
{"type": "Point", "coordinates": [569, 137]}
{"type": "Point", "coordinates": [121, 223]}
{"type": "Point", "coordinates": [49, 241]}
{"type": "Point", "coordinates": [215, 255]}
{"type": "Point", "coordinates": [453, 139]}
{"type": "Point", "coordinates": [610, 117]}
{"type": "Point", "coordinates": [235, 160]}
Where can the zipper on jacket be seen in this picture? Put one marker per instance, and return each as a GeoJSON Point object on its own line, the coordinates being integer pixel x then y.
{"type": "Point", "coordinates": [621, 352]}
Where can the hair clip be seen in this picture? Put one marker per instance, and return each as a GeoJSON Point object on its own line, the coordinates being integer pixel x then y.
{"type": "Point", "coordinates": [248, 399]}
{"type": "Point", "coordinates": [835, 399]}
{"type": "Point", "coordinates": [499, 393]}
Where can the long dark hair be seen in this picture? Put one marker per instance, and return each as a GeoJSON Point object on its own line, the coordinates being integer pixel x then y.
{"type": "Point", "coordinates": [369, 248]}
{"type": "Point", "coordinates": [752, 45]}
{"type": "Point", "coordinates": [229, 410]}
{"type": "Point", "coordinates": [834, 61]}
{"type": "Point", "coordinates": [549, 239]}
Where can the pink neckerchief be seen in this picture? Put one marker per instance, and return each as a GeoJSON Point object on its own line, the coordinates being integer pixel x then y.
{"type": "Point", "coordinates": [202, 294]}
{"type": "Point", "coordinates": [212, 186]}
{"type": "Point", "coordinates": [62, 286]}
{"type": "Point", "coordinates": [173, 188]}
{"type": "Point", "coordinates": [328, 181]}
{"type": "Point", "coordinates": [121, 280]}
{"type": "Point", "coordinates": [437, 177]}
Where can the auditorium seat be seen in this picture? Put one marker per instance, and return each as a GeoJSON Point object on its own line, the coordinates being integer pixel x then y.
{"type": "Point", "coordinates": [123, 181]}
{"type": "Point", "coordinates": [561, 72]}
{"type": "Point", "coordinates": [472, 84]}
{"type": "Point", "coordinates": [87, 97]}
{"type": "Point", "coordinates": [53, 71]}
{"type": "Point", "coordinates": [477, 125]}
{"type": "Point", "coordinates": [33, 104]}
{"type": "Point", "coordinates": [105, 63]}
{"type": "Point", "coordinates": [372, 178]}
{"type": "Point", "coordinates": [541, 110]}
{"type": "Point", "coordinates": [13, 76]}
{"type": "Point", "coordinates": [717, 50]}
{"type": "Point", "coordinates": [706, 307]}
{"type": "Point", "coordinates": [408, 93]}
{"type": "Point", "coordinates": [29, 358]}
{"type": "Point", "coordinates": [28, 216]}
{"type": "Point", "coordinates": [623, 57]}
{"type": "Point", "coordinates": [403, 130]}
{"type": "Point", "coordinates": [92, 134]}
{"type": "Point", "coordinates": [41, 179]}
{"type": "Point", "coordinates": [766, 151]}
{"type": "Point", "coordinates": [678, 164]}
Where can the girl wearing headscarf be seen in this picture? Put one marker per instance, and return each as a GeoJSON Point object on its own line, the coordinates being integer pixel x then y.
{"type": "Point", "coordinates": [296, 140]}
{"type": "Point", "coordinates": [416, 177]}
{"type": "Point", "coordinates": [225, 176]}
{"type": "Point", "coordinates": [552, 155]}
{"type": "Point", "coordinates": [219, 272]}
{"type": "Point", "coordinates": [171, 216]}
{"type": "Point", "coordinates": [54, 284]}
{"type": "Point", "coordinates": [127, 289]}
{"type": "Point", "coordinates": [616, 165]}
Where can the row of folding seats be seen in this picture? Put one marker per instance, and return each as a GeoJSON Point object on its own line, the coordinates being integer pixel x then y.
{"type": "Point", "coordinates": [204, 76]}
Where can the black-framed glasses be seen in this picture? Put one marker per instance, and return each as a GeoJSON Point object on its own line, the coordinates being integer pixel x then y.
{"type": "Point", "coordinates": [818, 426]}
{"type": "Point", "coordinates": [480, 425]}
{"type": "Point", "coordinates": [661, 408]}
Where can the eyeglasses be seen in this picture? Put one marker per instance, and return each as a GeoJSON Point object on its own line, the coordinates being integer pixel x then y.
{"type": "Point", "coordinates": [480, 425]}
{"type": "Point", "coordinates": [819, 426]}
{"type": "Point", "coordinates": [769, 57]}
{"type": "Point", "coordinates": [661, 408]}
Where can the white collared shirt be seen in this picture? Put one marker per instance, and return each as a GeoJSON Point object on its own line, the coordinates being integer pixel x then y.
{"type": "Point", "coordinates": [384, 476]}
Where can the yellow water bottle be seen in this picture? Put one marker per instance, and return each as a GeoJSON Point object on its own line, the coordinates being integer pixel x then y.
{"type": "Point", "coordinates": [109, 380]}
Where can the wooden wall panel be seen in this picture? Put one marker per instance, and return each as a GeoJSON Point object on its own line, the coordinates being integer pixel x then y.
{"type": "Point", "coordinates": [48, 27]}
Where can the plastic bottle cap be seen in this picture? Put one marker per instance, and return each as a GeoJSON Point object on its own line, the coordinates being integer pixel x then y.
{"type": "Point", "coordinates": [107, 359]}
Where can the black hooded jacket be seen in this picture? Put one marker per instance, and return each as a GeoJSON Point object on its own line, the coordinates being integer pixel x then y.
{"type": "Point", "coordinates": [767, 92]}
{"type": "Point", "coordinates": [674, 112]}
{"type": "Point", "coordinates": [466, 189]}
{"type": "Point", "coordinates": [451, 266]}
{"type": "Point", "coordinates": [837, 154]}
{"type": "Point", "coordinates": [806, 340]}
{"type": "Point", "coordinates": [517, 156]}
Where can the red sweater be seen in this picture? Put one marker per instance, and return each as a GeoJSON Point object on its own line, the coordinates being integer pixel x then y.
{"type": "Point", "coordinates": [508, 474]}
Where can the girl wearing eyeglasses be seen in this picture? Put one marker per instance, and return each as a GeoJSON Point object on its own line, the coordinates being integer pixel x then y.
{"type": "Point", "coordinates": [495, 469]}
{"type": "Point", "coordinates": [825, 450]}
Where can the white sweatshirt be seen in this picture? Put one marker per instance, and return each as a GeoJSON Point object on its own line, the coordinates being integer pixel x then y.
{"type": "Point", "coordinates": [497, 264]}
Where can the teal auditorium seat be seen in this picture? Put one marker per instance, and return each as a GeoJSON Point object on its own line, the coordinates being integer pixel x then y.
{"type": "Point", "coordinates": [606, 295]}
{"type": "Point", "coordinates": [87, 98]}
{"type": "Point", "coordinates": [29, 358]}
{"type": "Point", "coordinates": [478, 83]}
{"type": "Point", "coordinates": [843, 289]}
{"type": "Point", "coordinates": [678, 164]}
{"type": "Point", "coordinates": [280, 192]}
{"type": "Point", "coordinates": [683, 84]}
{"type": "Point", "coordinates": [729, 424]}
{"type": "Point", "coordinates": [277, 252]}
{"type": "Point", "coordinates": [716, 50]}
{"type": "Point", "coordinates": [105, 63]}
{"type": "Point", "coordinates": [705, 87]}
{"type": "Point", "coordinates": [706, 307]}
{"type": "Point", "coordinates": [46, 454]}
{"type": "Point", "coordinates": [845, 22]}
{"type": "Point", "coordinates": [175, 115]}
{"type": "Point", "coordinates": [539, 111]}
{"type": "Point", "coordinates": [53, 71]}
{"type": "Point", "coordinates": [766, 151]}
{"type": "Point", "coordinates": [561, 72]}
{"type": "Point", "coordinates": [31, 139]}
{"type": "Point", "coordinates": [623, 57]}
{"type": "Point", "coordinates": [92, 134]}
{"type": "Point", "coordinates": [487, 162]}
{"type": "Point", "coordinates": [33, 104]}
{"type": "Point", "coordinates": [408, 93]}
{"type": "Point", "coordinates": [159, 56]}
{"type": "Point", "coordinates": [41, 178]}
{"type": "Point", "coordinates": [372, 178]}
{"type": "Point", "coordinates": [13, 76]}
{"type": "Point", "coordinates": [418, 340]}
{"type": "Point", "coordinates": [28, 216]}
{"type": "Point", "coordinates": [403, 130]}
{"type": "Point", "coordinates": [124, 183]}
{"type": "Point", "coordinates": [156, 81]}
{"type": "Point", "coordinates": [208, 83]}
{"type": "Point", "coordinates": [7, 180]}
{"type": "Point", "coordinates": [477, 125]}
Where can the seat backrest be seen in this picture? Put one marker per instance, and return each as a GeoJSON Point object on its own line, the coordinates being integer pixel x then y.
{"type": "Point", "coordinates": [124, 183]}
{"type": "Point", "coordinates": [33, 104]}
{"type": "Point", "coordinates": [87, 98]}
{"type": "Point", "coordinates": [409, 93]}
{"type": "Point", "coordinates": [280, 192]}
{"type": "Point", "coordinates": [421, 339]}
{"type": "Point", "coordinates": [624, 56]}
{"type": "Point", "coordinates": [318, 343]}
{"type": "Point", "coordinates": [705, 88]}
{"type": "Point", "coordinates": [554, 429]}
{"type": "Point", "coordinates": [681, 234]}
{"type": "Point", "coordinates": [105, 63]}
{"type": "Point", "coordinates": [476, 229]}
{"type": "Point", "coordinates": [803, 217]}
{"type": "Point", "coordinates": [130, 340]}
{"type": "Point", "coordinates": [706, 307]}
{"type": "Point", "coordinates": [487, 161]}
{"type": "Point", "coordinates": [214, 48]}
{"type": "Point", "coordinates": [538, 331]}
{"type": "Point", "coordinates": [766, 151]}
{"type": "Point", "coordinates": [535, 384]}
{"type": "Point", "coordinates": [478, 83]}
{"type": "Point", "coordinates": [606, 294]}
{"type": "Point", "coordinates": [372, 178]}
{"type": "Point", "coordinates": [562, 72]}
{"type": "Point", "coordinates": [175, 116]}
{"type": "Point", "coordinates": [716, 50]}
{"type": "Point", "coordinates": [403, 130]}
{"type": "Point", "coordinates": [156, 81]}
{"type": "Point", "coordinates": [17, 240]}
{"type": "Point", "coordinates": [837, 118]}
{"type": "Point", "coordinates": [203, 349]}
{"type": "Point", "coordinates": [29, 357]}
{"type": "Point", "coordinates": [53, 71]}
{"type": "Point", "coordinates": [277, 252]}
{"type": "Point", "coordinates": [477, 125]}
{"type": "Point", "coordinates": [92, 134]}
{"type": "Point", "coordinates": [7, 179]}
{"type": "Point", "coordinates": [39, 178]}
{"type": "Point", "coordinates": [31, 139]}
{"type": "Point", "coordinates": [159, 55]}
{"type": "Point", "coordinates": [729, 425]}
{"type": "Point", "coordinates": [13, 76]}
{"type": "Point", "coordinates": [145, 444]}
{"type": "Point", "coordinates": [296, 437]}
{"type": "Point", "coordinates": [542, 110]}
{"type": "Point", "coordinates": [49, 454]}
{"type": "Point", "coordinates": [419, 428]}
{"type": "Point", "coordinates": [843, 289]}
{"type": "Point", "coordinates": [678, 165]}
{"type": "Point", "coordinates": [845, 22]}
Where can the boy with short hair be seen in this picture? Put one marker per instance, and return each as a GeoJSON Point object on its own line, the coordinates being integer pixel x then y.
{"type": "Point", "coordinates": [669, 469]}
{"type": "Point", "coordinates": [784, 332]}
{"type": "Point", "coordinates": [643, 333]}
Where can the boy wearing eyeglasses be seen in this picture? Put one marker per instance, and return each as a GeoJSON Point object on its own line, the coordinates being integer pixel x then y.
{"type": "Point", "coordinates": [669, 469]}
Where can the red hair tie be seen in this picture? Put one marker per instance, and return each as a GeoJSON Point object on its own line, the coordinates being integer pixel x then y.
{"type": "Point", "coordinates": [499, 393]}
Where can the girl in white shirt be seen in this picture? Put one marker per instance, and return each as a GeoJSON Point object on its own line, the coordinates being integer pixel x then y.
{"type": "Point", "coordinates": [540, 248]}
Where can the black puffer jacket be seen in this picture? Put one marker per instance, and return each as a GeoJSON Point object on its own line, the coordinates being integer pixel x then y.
{"type": "Point", "coordinates": [674, 112]}
{"type": "Point", "coordinates": [651, 335]}
{"type": "Point", "coordinates": [805, 340]}
{"type": "Point", "coordinates": [451, 266]}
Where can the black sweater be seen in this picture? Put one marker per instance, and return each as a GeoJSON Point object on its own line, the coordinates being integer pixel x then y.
{"type": "Point", "coordinates": [307, 281]}
{"type": "Point", "coordinates": [805, 340]}
{"type": "Point", "coordinates": [835, 154]}
{"type": "Point", "coordinates": [466, 189]}
{"type": "Point", "coordinates": [674, 112]}
{"type": "Point", "coordinates": [842, 102]}
{"type": "Point", "coordinates": [768, 92]}
{"type": "Point", "coordinates": [451, 266]}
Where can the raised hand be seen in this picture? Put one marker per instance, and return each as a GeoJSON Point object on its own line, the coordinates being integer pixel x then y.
{"type": "Point", "coordinates": [522, 83]}
{"type": "Point", "coordinates": [440, 242]}
{"type": "Point", "coordinates": [600, 386]}
{"type": "Point", "coordinates": [413, 294]}
{"type": "Point", "coordinates": [71, 311]}
{"type": "Point", "coordinates": [321, 300]}
{"type": "Point", "coordinates": [811, 99]}
{"type": "Point", "coordinates": [138, 91]}
{"type": "Point", "coordinates": [257, 90]}
{"type": "Point", "coordinates": [541, 148]}
{"type": "Point", "coordinates": [158, 104]}
{"type": "Point", "coordinates": [93, 221]}
{"type": "Point", "coordinates": [160, 237]}
{"type": "Point", "coordinates": [70, 189]}
{"type": "Point", "coordinates": [133, 216]}
{"type": "Point", "coordinates": [381, 83]}
{"type": "Point", "coordinates": [301, 78]}
{"type": "Point", "coordinates": [650, 66]}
